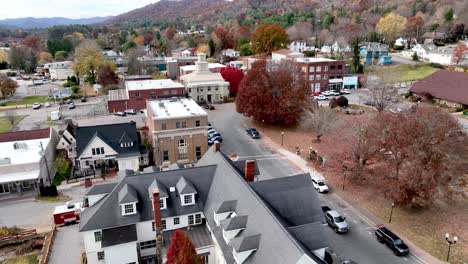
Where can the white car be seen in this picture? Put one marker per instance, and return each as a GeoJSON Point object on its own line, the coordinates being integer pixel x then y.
{"type": "Point", "coordinates": [319, 185]}
{"type": "Point", "coordinates": [346, 91]}
{"type": "Point", "coordinates": [326, 93]}
{"type": "Point", "coordinates": [36, 106]}
{"type": "Point", "coordinates": [335, 93]}
{"type": "Point", "coordinates": [321, 97]}
{"type": "Point", "coordinates": [47, 104]}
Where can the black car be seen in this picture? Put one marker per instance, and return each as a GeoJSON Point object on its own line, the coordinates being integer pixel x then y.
{"type": "Point", "coordinates": [252, 132]}
{"type": "Point", "coordinates": [384, 235]}
{"type": "Point", "coordinates": [83, 99]}
{"type": "Point", "coordinates": [209, 107]}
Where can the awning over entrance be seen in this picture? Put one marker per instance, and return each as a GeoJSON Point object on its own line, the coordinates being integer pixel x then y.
{"type": "Point", "coordinates": [19, 176]}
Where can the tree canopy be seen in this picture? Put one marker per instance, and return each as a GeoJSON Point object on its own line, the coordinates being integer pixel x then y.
{"type": "Point", "coordinates": [391, 26]}
{"type": "Point", "coordinates": [268, 38]}
{"type": "Point", "coordinates": [88, 60]}
{"type": "Point", "coordinates": [234, 77]}
{"type": "Point", "coordinates": [181, 250]}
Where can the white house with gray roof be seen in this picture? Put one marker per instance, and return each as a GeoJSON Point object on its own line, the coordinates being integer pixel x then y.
{"type": "Point", "coordinates": [432, 53]}
{"type": "Point", "coordinates": [229, 219]}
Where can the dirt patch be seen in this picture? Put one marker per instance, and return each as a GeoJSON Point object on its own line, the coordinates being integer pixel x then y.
{"type": "Point", "coordinates": [426, 228]}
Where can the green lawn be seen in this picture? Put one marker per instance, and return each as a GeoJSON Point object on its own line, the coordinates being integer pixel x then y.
{"type": "Point", "coordinates": [5, 124]}
{"type": "Point", "coordinates": [408, 73]}
{"type": "Point", "coordinates": [29, 259]}
{"type": "Point", "coordinates": [28, 100]}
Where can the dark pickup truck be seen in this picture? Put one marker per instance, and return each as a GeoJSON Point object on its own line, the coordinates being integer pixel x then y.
{"type": "Point", "coordinates": [335, 220]}
{"type": "Point", "coordinates": [384, 235]}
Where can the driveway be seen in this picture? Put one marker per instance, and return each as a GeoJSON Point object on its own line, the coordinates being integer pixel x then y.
{"type": "Point", "coordinates": [67, 246]}
{"type": "Point", "coordinates": [359, 244]}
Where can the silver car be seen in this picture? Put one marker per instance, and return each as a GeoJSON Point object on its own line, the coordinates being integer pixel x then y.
{"type": "Point", "coordinates": [336, 221]}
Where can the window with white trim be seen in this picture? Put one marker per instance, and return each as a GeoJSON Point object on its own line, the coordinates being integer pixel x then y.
{"type": "Point", "coordinates": [163, 224]}
{"type": "Point", "coordinates": [317, 77]}
{"type": "Point", "coordinates": [182, 147]}
{"type": "Point", "coordinates": [128, 208]}
{"type": "Point", "coordinates": [311, 77]}
{"type": "Point", "coordinates": [191, 220]}
{"type": "Point", "coordinates": [198, 218]}
{"type": "Point", "coordinates": [176, 220]}
{"type": "Point", "coordinates": [100, 255]}
{"type": "Point", "coordinates": [147, 244]}
{"type": "Point", "coordinates": [319, 68]}
{"type": "Point", "coordinates": [188, 199]}
{"type": "Point", "coordinates": [311, 69]}
{"type": "Point", "coordinates": [162, 203]}
{"type": "Point", "coordinates": [97, 236]}
{"type": "Point", "coordinates": [153, 226]}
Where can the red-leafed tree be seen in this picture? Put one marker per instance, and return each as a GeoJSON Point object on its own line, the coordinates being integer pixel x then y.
{"type": "Point", "coordinates": [234, 77]}
{"type": "Point", "coordinates": [460, 52]}
{"type": "Point", "coordinates": [414, 25]}
{"type": "Point", "coordinates": [272, 95]}
{"type": "Point", "coordinates": [33, 42]}
{"type": "Point", "coordinates": [225, 37]}
{"type": "Point", "coordinates": [107, 75]}
{"type": "Point", "coordinates": [181, 250]}
{"type": "Point", "coordinates": [170, 33]}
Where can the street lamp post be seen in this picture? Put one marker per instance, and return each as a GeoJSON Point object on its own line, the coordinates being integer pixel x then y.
{"type": "Point", "coordinates": [344, 179]}
{"type": "Point", "coordinates": [282, 138]}
{"type": "Point", "coordinates": [450, 242]}
{"type": "Point", "coordinates": [391, 212]}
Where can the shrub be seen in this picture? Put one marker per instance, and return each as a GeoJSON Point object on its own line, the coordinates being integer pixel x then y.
{"type": "Point", "coordinates": [465, 112]}
{"type": "Point", "coordinates": [342, 101]}
{"type": "Point", "coordinates": [437, 65]}
{"type": "Point", "coordinates": [396, 47]}
{"type": "Point", "coordinates": [75, 89]}
{"type": "Point", "coordinates": [11, 74]}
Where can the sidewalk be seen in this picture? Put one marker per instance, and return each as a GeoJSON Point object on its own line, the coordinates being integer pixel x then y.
{"type": "Point", "coordinates": [367, 216]}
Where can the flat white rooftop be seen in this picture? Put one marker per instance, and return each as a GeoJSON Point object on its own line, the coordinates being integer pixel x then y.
{"type": "Point", "coordinates": [313, 60]}
{"type": "Point", "coordinates": [24, 152]}
{"type": "Point", "coordinates": [210, 66]}
{"type": "Point", "coordinates": [175, 108]}
{"type": "Point", "coordinates": [152, 84]}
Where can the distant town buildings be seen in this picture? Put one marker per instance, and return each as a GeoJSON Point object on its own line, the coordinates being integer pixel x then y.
{"type": "Point", "coordinates": [203, 85]}
{"type": "Point", "coordinates": [137, 91]}
{"type": "Point", "coordinates": [230, 53]}
{"type": "Point", "coordinates": [58, 70]}
{"type": "Point", "coordinates": [299, 46]}
{"type": "Point", "coordinates": [279, 55]}
{"type": "Point", "coordinates": [374, 53]}
{"type": "Point", "coordinates": [178, 130]}
{"type": "Point", "coordinates": [322, 74]}
{"type": "Point", "coordinates": [431, 53]}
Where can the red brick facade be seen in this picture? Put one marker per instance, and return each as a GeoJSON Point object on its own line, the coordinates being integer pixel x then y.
{"type": "Point", "coordinates": [318, 73]}
{"type": "Point", "coordinates": [137, 98]}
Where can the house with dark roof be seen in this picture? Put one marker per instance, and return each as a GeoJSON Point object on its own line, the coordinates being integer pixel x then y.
{"type": "Point", "coordinates": [229, 217]}
{"type": "Point", "coordinates": [111, 146]}
{"type": "Point", "coordinates": [445, 87]}
{"type": "Point", "coordinates": [374, 53]}
{"type": "Point", "coordinates": [26, 160]}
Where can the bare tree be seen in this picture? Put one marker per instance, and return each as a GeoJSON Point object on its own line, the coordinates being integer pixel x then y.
{"type": "Point", "coordinates": [381, 92]}
{"type": "Point", "coordinates": [320, 121]}
{"type": "Point", "coordinates": [301, 30]}
{"type": "Point", "coordinates": [256, 4]}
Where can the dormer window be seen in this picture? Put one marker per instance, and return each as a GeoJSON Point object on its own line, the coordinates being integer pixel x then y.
{"type": "Point", "coordinates": [162, 203]}
{"type": "Point", "coordinates": [128, 209]}
{"type": "Point", "coordinates": [188, 199]}
{"type": "Point", "coordinates": [126, 144]}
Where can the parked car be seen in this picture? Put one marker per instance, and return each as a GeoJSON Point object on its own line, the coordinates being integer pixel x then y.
{"type": "Point", "coordinates": [47, 104]}
{"type": "Point", "coordinates": [211, 129]}
{"type": "Point", "coordinates": [131, 112]}
{"type": "Point", "coordinates": [326, 93]}
{"type": "Point", "coordinates": [319, 185]}
{"type": "Point", "coordinates": [334, 93]}
{"type": "Point", "coordinates": [321, 97]}
{"type": "Point", "coordinates": [384, 235]}
{"type": "Point", "coordinates": [335, 220]}
{"type": "Point", "coordinates": [83, 99]}
{"type": "Point", "coordinates": [209, 124]}
{"type": "Point", "coordinates": [69, 101]}
{"type": "Point", "coordinates": [120, 113]}
{"type": "Point", "coordinates": [213, 133]}
{"type": "Point", "coordinates": [209, 107]}
{"type": "Point", "coordinates": [71, 106]}
{"type": "Point", "coordinates": [36, 106]}
{"type": "Point", "coordinates": [348, 261]}
{"type": "Point", "coordinates": [346, 91]}
{"type": "Point", "coordinates": [212, 140]}
{"type": "Point", "coordinates": [252, 132]}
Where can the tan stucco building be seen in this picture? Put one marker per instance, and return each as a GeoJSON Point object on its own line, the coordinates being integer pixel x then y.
{"type": "Point", "coordinates": [178, 130]}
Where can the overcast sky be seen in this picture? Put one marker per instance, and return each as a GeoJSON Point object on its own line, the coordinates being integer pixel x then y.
{"type": "Point", "coordinates": [67, 8]}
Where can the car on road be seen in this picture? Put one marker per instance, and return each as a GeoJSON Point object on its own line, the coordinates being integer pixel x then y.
{"type": "Point", "coordinates": [335, 220]}
{"type": "Point", "coordinates": [69, 101]}
{"type": "Point", "coordinates": [47, 104]}
{"type": "Point", "coordinates": [321, 97]}
{"type": "Point", "coordinates": [213, 133]}
{"type": "Point", "coordinates": [212, 140]}
{"type": "Point", "coordinates": [131, 112]}
{"type": "Point", "coordinates": [83, 99]}
{"type": "Point", "coordinates": [319, 185]}
{"type": "Point", "coordinates": [348, 261]}
{"type": "Point", "coordinates": [346, 91]}
{"type": "Point", "coordinates": [252, 132]}
{"type": "Point", "coordinates": [209, 107]}
{"type": "Point", "coordinates": [326, 93]}
{"type": "Point", "coordinates": [387, 237]}
{"type": "Point", "coordinates": [211, 129]}
{"type": "Point", "coordinates": [334, 93]}
{"type": "Point", "coordinates": [71, 106]}
{"type": "Point", "coordinates": [36, 106]}
{"type": "Point", "coordinates": [120, 113]}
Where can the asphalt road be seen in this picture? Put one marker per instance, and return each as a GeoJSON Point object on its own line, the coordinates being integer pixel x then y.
{"type": "Point", "coordinates": [359, 244]}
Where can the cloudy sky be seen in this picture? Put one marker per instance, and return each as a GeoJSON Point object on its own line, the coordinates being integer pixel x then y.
{"type": "Point", "coordinates": [67, 8]}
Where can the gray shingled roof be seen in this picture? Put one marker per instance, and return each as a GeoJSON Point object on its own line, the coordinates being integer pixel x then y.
{"type": "Point", "coordinates": [127, 195]}
{"type": "Point", "coordinates": [234, 223]}
{"type": "Point", "coordinates": [199, 235]}
{"type": "Point", "coordinates": [185, 187]}
{"type": "Point", "coordinates": [241, 244]}
{"type": "Point", "coordinates": [162, 189]}
{"type": "Point", "coordinates": [101, 189]}
{"type": "Point", "coordinates": [111, 134]}
{"type": "Point", "coordinates": [311, 235]}
{"type": "Point", "coordinates": [106, 212]}
{"type": "Point", "coordinates": [227, 206]}
{"type": "Point", "coordinates": [118, 235]}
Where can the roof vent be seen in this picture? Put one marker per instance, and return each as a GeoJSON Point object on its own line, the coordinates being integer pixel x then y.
{"type": "Point", "coordinates": [5, 161]}
{"type": "Point", "coordinates": [161, 104]}
{"type": "Point", "coordinates": [172, 189]}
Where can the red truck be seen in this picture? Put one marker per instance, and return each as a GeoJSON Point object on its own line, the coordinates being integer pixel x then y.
{"type": "Point", "coordinates": [67, 213]}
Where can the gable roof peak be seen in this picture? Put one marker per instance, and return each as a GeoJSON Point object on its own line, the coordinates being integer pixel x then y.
{"type": "Point", "coordinates": [185, 187]}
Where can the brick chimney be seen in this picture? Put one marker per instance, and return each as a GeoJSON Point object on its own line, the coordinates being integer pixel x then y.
{"type": "Point", "coordinates": [249, 170]}
{"type": "Point", "coordinates": [216, 146]}
{"type": "Point", "coordinates": [156, 208]}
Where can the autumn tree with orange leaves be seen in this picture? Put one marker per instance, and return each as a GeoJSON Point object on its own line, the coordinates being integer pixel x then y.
{"type": "Point", "coordinates": [181, 250]}
{"type": "Point", "coordinates": [268, 38]}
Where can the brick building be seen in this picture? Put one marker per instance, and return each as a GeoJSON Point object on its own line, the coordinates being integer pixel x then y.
{"type": "Point", "coordinates": [136, 93]}
{"type": "Point", "coordinates": [322, 74]}
{"type": "Point", "coordinates": [178, 130]}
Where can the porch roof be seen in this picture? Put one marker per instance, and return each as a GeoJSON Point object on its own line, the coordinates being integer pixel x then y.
{"type": "Point", "coordinates": [20, 176]}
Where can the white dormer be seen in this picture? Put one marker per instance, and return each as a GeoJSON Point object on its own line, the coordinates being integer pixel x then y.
{"type": "Point", "coordinates": [233, 226]}
{"type": "Point", "coordinates": [187, 199]}
{"type": "Point", "coordinates": [128, 208]}
{"type": "Point", "coordinates": [186, 192]}
{"type": "Point", "coordinates": [225, 210]}
{"type": "Point", "coordinates": [163, 203]}
{"type": "Point", "coordinates": [128, 199]}
{"type": "Point", "coordinates": [243, 247]}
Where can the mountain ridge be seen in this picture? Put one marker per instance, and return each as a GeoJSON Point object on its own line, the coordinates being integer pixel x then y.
{"type": "Point", "coordinates": [32, 22]}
